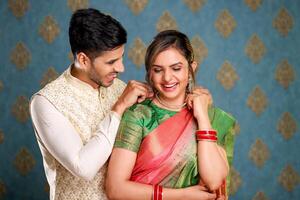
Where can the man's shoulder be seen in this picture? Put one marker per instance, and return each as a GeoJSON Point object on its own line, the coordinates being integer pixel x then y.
{"type": "Point", "coordinates": [119, 83]}
{"type": "Point", "coordinates": [117, 87]}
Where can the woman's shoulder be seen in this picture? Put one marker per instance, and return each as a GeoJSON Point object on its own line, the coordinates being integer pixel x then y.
{"type": "Point", "coordinates": [143, 106]}
{"type": "Point", "coordinates": [143, 109]}
{"type": "Point", "coordinates": [221, 120]}
{"type": "Point", "coordinates": [216, 112]}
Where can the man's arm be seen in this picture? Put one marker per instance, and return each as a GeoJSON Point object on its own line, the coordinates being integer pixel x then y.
{"type": "Point", "coordinates": [135, 92]}
{"type": "Point", "coordinates": [63, 142]}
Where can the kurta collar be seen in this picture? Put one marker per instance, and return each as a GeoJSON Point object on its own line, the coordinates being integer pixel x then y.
{"type": "Point", "coordinates": [78, 83]}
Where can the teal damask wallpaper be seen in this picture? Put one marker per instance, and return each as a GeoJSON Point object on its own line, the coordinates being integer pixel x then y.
{"type": "Point", "coordinates": [249, 57]}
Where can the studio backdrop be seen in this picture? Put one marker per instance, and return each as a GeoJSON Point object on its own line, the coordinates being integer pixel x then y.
{"type": "Point", "coordinates": [249, 58]}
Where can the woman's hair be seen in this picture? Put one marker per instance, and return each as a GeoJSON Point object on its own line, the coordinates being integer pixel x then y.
{"type": "Point", "coordinates": [165, 40]}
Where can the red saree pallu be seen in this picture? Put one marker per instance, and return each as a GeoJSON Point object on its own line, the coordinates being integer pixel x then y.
{"type": "Point", "coordinates": [163, 149]}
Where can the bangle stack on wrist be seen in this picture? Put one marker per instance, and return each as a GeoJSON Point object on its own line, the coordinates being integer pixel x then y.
{"type": "Point", "coordinates": [206, 135]}
{"type": "Point", "coordinates": [157, 192]}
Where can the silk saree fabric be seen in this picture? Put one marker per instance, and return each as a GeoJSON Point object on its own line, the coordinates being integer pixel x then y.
{"type": "Point", "coordinates": [165, 143]}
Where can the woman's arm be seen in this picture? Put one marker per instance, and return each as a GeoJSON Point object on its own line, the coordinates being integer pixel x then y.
{"type": "Point", "coordinates": [119, 186]}
{"type": "Point", "coordinates": [213, 165]}
{"type": "Point", "coordinates": [212, 161]}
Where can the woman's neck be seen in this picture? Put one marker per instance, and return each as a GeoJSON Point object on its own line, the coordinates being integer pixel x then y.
{"type": "Point", "coordinates": [174, 106]}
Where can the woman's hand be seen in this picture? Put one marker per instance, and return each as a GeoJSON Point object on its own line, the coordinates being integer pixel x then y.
{"type": "Point", "coordinates": [199, 101]}
{"type": "Point", "coordinates": [198, 192]}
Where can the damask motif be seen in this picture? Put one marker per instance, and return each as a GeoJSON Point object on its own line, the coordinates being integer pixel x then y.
{"type": "Point", "coordinates": [289, 178]}
{"type": "Point", "coordinates": [225, 23]}
{"type": "Point", "coordinates": [47, 187]}
{"type": "Point", "coordinates": [20, 56]}
{"type": "Point", "coordinates": [227, 75]}
{"type": "Point", "coordinates": [1, 136]}
{"type": "Point", "coordinates": [235, 181]}
{"type": "Point", "coordinates": [50, 75]}
{"type": "Point", "coordinates": [255, 49]}
{"type": "Point", "coordinates": [20, 109]}
{"type": "Point", "coordinates": [260, 196]}
{"type": "Point", "coordinates": [285, 74]}
{"type": "Point", "coordinates": [194, 5]}
{"type": "Point", "coordinates": [24, 161]}
{"type": "Point", "coordinates": [77, 4]}
{"type": "Point", "coordinates": [283, 22]}
{"type": "Point", "coordinates": [257, 101]}
{"type": "Point", "coordinates": [71, 56]}
{"type": "Point", "coordinates": [18, 7]}
{"type": "Point", "coordinates": [2, 189]}
{"type": "Point", "coordinates": [137, 52]}
{"type": "Point", "coordinates": [253, 4]}
{"type": "Point", "coordinates": [166, 21]}
{"type": "Point", "coordinates": [259, 153]}
{"type": "Point", "coordinates": [136, 6]}
{"type": "Point", "coordinates": [200, 49]}
{"type": "Point", "coordinates": [49, 29]}
{"type": "Point", "coordinates": [287, 126]}
{"type": "Point", "coordinates": [237, 129]}
{"type": "Point", "coordinates": [1, 86]}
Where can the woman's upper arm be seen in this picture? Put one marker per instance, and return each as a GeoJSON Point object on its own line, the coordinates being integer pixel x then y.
{"type": "Point", "coordinates": [121, 164]}
{"type": "Point", "coordinates": [126, 146]}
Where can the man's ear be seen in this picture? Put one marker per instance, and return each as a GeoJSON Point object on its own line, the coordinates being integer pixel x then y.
{"type": "Point", "coordinates": [83, 60]}
{"type": "Point", "coordinates": [194, 66]}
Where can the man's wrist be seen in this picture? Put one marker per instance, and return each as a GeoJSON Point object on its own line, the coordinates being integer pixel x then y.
{"type": "Point", "coordinates": [118, 108]}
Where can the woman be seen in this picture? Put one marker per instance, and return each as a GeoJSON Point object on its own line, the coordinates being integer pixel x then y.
{"type": "Point", "coordinates": [162, 141]}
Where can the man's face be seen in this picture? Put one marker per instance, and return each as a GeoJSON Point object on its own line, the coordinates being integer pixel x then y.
{"type": "Point", "coordinates": [105, 68]}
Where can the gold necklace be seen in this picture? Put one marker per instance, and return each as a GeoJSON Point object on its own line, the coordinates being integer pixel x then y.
{"type": "Point", "coordinates": [176, 107]}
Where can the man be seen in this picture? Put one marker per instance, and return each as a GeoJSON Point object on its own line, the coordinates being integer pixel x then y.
{"type": "Point", "coordinates": [76, 116]}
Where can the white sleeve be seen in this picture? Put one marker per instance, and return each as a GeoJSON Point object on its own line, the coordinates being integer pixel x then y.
{"type": "Point", "coordinates": [63, 142]}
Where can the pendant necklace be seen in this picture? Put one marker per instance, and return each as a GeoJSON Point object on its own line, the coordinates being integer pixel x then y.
{"type": "Point", "coordinates": [174, 107]}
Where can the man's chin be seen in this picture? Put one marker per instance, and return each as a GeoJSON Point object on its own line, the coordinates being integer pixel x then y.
{"type": "Point", "coordinates": [107, 84]}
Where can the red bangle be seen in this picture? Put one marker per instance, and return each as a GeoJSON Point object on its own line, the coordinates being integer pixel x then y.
{"type": "Point", "coordinates": [160, 188]}
{"type": "Point", "coordinates": [154, 192]}
{"type": "Point", "coordinates": [157, 192]}
{"type": "Point", "coordinates": [206, 132]}
{"type": "Point", "coordinates": [204, 137]}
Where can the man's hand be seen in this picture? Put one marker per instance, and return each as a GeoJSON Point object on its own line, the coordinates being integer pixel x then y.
{"type": "Point", "coordinates": [135, 92]}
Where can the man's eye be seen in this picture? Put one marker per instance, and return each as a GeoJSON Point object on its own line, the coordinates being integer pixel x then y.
{"type": "Point", "coordinates": [111, 62]}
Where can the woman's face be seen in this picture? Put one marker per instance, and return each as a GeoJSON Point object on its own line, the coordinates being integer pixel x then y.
{"type": "Point", "coordinates": [169, 75]}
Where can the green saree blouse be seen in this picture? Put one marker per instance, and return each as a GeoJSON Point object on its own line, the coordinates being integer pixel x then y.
{"type": "Point", "coordinates": [140, 119]}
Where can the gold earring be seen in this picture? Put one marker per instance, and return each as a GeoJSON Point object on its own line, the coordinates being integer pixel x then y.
{"type": "Point", "coordinates": [190, 85]}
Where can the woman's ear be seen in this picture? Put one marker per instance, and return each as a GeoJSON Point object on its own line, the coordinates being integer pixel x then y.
{"type": "Point", "coordinates": [194, 66]}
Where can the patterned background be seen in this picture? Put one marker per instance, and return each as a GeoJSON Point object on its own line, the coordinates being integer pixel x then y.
{"type": "Point", "coordinates": [248, 52]}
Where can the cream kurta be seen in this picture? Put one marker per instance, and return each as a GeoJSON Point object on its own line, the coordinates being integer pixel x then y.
{"type": "Point", "coordinates": [75, 130]}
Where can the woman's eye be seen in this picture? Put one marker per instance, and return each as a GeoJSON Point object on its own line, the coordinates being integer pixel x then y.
{"type": "Point", "coordinates": [177, 68]}
{"type": "Point", "coordinates": [157, 70]}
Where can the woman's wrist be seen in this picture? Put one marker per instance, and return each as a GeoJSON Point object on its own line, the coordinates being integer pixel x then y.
{"type": "Point", "coordinates": [203, 122]}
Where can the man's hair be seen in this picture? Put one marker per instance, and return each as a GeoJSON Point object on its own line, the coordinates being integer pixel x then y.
{"type": "Point", "coordinates": [93, 32]}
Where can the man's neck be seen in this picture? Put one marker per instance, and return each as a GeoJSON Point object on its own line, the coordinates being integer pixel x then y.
{"type": "Point", "coordinates": [82, 76]}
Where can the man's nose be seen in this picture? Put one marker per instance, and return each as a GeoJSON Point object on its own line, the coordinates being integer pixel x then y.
{"type": "Point", "coordinates": [119, 67]}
